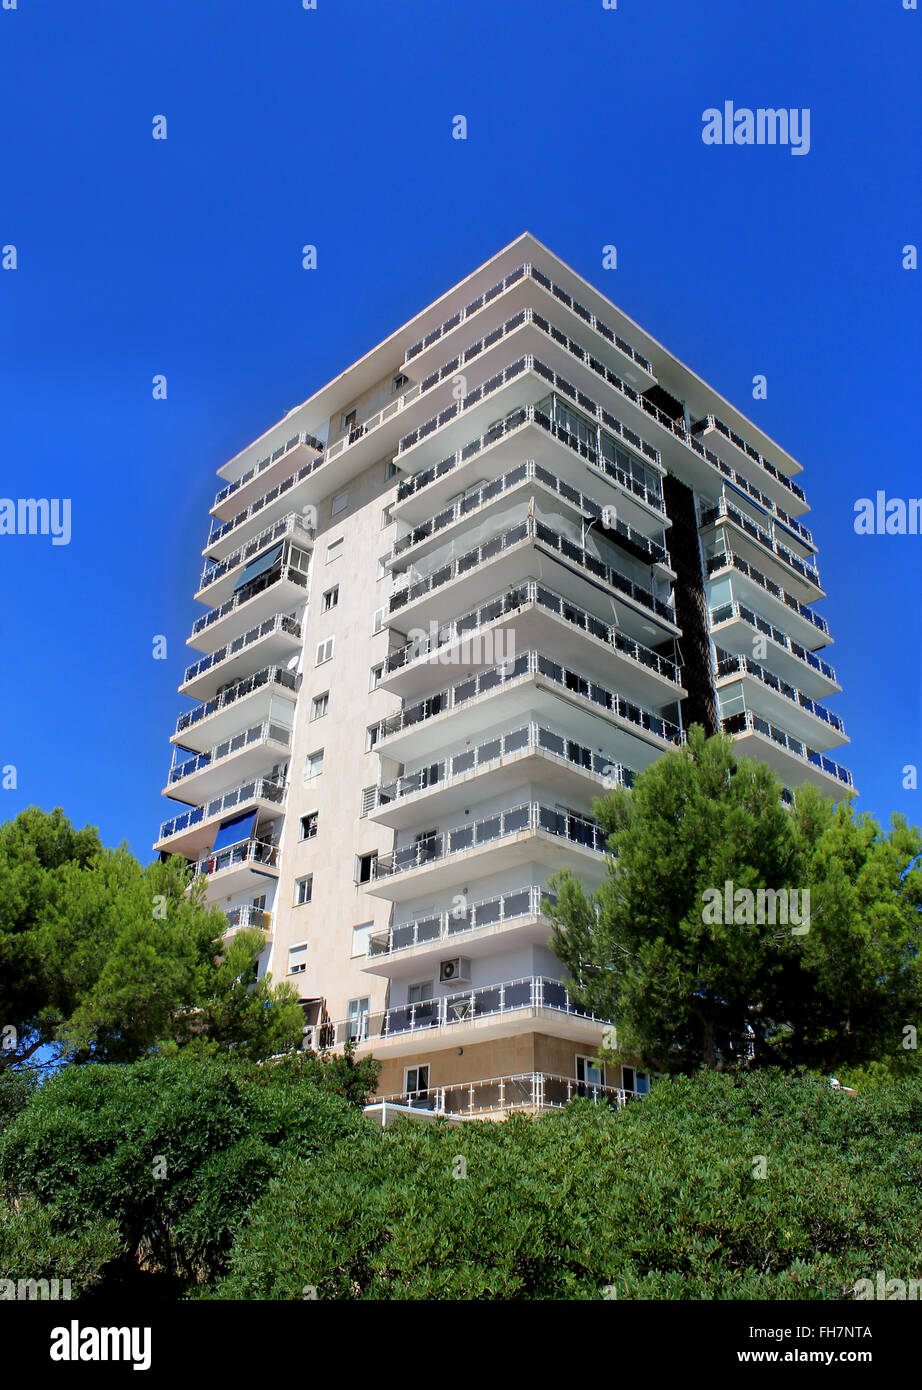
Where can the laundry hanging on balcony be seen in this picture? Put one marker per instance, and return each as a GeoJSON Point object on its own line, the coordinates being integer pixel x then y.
{"type": "Point", "coordinates": [259, 565]}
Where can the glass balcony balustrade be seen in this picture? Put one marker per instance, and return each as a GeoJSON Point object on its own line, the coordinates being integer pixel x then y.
{"type": "Point", "coordinates": [257, 789]}
{"type": "Point", "coordinates": [729, 664]}
{"type": "Point", "coordinates": [530, 529]}
{"type": "Point", "coordinates": [278, 623]}
{"type": "Point", "coordinates": [711, 421]}
{"type": "Point", "coordinates": [530, 663]}
{"type": "Point", "coordinates": [466, 627]}
{"type": "Point", "coordinates": [530, 471]}
{"type": "Point", "coordinates": [285, 573]}
{"type": "Point", "coordinates": [758, 533]}
{"type": "Point", "coordinates": [726, 611]}
{"type": "Point", "coordinates": [728, 560]}
{"type": "Point", "coordinates": [531, 737]}
{"type": "Point", "coordinates": [267, 462]}
{"type": "Point", "coordinates": [747, 722]}
{"type": "Point", "coordinates": [184, 766]}
{"type": "Point", "coordinates": [526, 1091]}
{"type": "Point", "coordinates": [272, 675]}
{"type": "Point", "coordinates": [242, 918]}
{"type": "Point", "coordinates": [509, 907]}
{"type": "Point", "coordinates": [506, 283]}
{"type": "Point", "coordinates": [256, 852]}
{"type": "Point", "coordinates": [286, 526]}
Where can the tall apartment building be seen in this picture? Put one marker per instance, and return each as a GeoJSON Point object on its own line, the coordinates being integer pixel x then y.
{"type": "Point", "coordinates": [493, 569]}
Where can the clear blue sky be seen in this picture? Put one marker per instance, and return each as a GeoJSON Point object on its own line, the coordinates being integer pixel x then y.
{"type": "Point", "coordinates": [288, 126]}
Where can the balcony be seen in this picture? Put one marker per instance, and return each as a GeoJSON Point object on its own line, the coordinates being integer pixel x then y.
{"type": "Point", "coordinates": [779, 695]}
{"type": "Point", "coordinates": [528, 1091]}
{"type": "Point", "coordinates": [198, 728]}
{"type": "Point", "coordinates": [810, 625]}
{"type": "Point", "coordinates": [731, 447]}
{"type": "Point", "coordinates": [534, 615]}
{"type": "Point", "coordinates": [190, 833]}
{"type": "Point", "coordinates": [566, 768]}
{"type": "Point", "coordinates": [481, 570]}
{"type": "Point", "coordinates": [271, 593]}
{"type": "Point", "coordinates": [516, 916]}
{"type": "Point", "coordinates": [248, 918]}
{"type": "Point", "coordinates": [233, 868]}
{"type": "Point", "coordinates": [472, 505]}
{"type": "Point", "coordinates": [242, 491]}
{"type": "Point", "coordinates": [276, 637]}
{"type": "Point", "coordinates": [246, 754]}
{"type": "Point", "coordinates": [217, 576]}
{"type": "Point", "coordinates": [793, 761]}
{"type": "Point", "coordinates": [636, 360]}
{"type": "Point", "coordinates": [805, 577]}
{"type": "Point", "coordinates": [735, 625]}
{"type": "Point", "coordinates": [528, 833]}
{"type": "Point", "coordinates": [529, 684]}
{"type": "Point", "coordinates": [471, 1016]}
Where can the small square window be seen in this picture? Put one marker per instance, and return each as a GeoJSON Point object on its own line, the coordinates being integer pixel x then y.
{"type": "Point", "coordinates": [303, 888]}
{"type": "Point", "coordinates": [360, 935]}
{"type": "Point", "coordinates": [347, 421]}
{"type": "Point", "coordinates": [297, 959]}
{"type": "Point", "coordinates": [334, 550]}
{"type": "Point", "coordinates": [398, 383]}
{"type": "Point", "coordinates": [320, 704]}
{"type": "Point", "coordinates": [340, 503]}
{"type": "Point", "coordinates": [309, 825]}
{"type": "Point", "coordinates": [330, 599]}
{"type": "Point", "coordinates": [416, 1079]}
{"type": "Point", "coordinates": [372, 734]}
{"type": "Point", "coordinates": [366, 867]}
{"type": "Point", "coordinates": [377, 622]}
{"type": "Point", "coordinates": [324, 651]}
{"type": "Point", "coordinates": [313, 764]}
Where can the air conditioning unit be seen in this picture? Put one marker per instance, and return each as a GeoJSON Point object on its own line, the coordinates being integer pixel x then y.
{"type": "Point", "coordinates": [456, 971]}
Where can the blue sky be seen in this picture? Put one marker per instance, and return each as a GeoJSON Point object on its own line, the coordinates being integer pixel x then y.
{"type": "Point", "coordinates": [333, 127]}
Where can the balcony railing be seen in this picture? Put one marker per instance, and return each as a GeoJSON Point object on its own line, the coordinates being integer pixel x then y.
{"type": "Point", "coordinates": [511, 996]}
{"type": "Point", "coordinates": [532, 529]}
{"type": "Point", "coordinates": [728, 664]}
{"type": "Point", "coordinates": [272, 675]}
{"type": "Point", "coordinates": [268, 729]}
{"type": "Point", "coordinates": [465, 629]}
{"type": "Point", "coordinates": [267, 462]}
{"type": "Point", "coordinates": [635, 540]}
{"type": "Point", "coordinates": [213, 571]}
{"type": "Point", "coordinates": [244, 852]}
{"type": "Point", "coordinates": [532, 663]}
{"type": "Point", "coordinates": [526, 1091]}
{"type": "Point", "coordinates": [748, 450]}
{"type": "Point", "coordinates": [512, 278]}
{"type": "Point", "coordinates": [257, 789]}
{"type": "Point", "coordinates": [531, 736]}
{"type": "Point", "coordinates": [241, 918]}
{"type": "Point", "coordinates": [739, 610]}
{"type": "Point", "coordinates": [746, 721]}
{"type": "Point", "coordinates": [279, 622]}
{"type": "Point", "coordinates": [440, 926]}
{"type": "Point", "coordinates": [530, 816]}
{"type": "Point", "coordinates": [725, 509]}
{"type": "Point", "coordinates": [256, 586]}
{"type": "Point", "coordinates": [731, 561]}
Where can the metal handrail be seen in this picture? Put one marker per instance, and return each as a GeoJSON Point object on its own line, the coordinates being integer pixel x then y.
{"type": "Point", "coordinates": [723, 508]}
{"type": "Point", "coordinates": [264, 463]}
{"type": "Point", "coordinates": [271, 675]}
{"type": "Point", "coordinates": [729, 560]}
{"type": "Point", "coordinates": [439, 926]}
{"type": "Point", "coordinates": [279, 622]}
{"type": "Point", "coordinates": [739, 610]}
{"type": "Point", "coordinates": [214, 570]}
{"type": "Point", "coordinates": [257, 789]}
{"type": "Point", "coordinates": [256, 586]}
{"type": "Point", "coordinates": [267, 729]}
{"type": "Point", "coordinates": [736, 723]}
{"type": "Point", "coordinates": [729, 663]}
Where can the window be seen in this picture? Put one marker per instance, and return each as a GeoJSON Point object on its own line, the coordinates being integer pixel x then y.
{"type": "Point", "coordinates": [366, 867]}
{"type": "Point", "coordinates": [330, 599]}
{"type": "Point", "coordinates": [420, 994]}
{"type": "Point", "coordinates": [634, 1081]}
{"type": "Point", "coordinates": [340, 502]}
{"type": "Point", "coordinates": [297, 959]}
{"type": "Point", "coordinates": [360, 935]}
{"type": "Point", "coordinates": [377, 622]}
{"type": "Point", "coordinates": [313, 764]}
{"type": "Point", "coordinates": [259, 903]}
{"type": "Point", "coordinates": [324, 651]}
{"type": "Point", "coordinates": [347, 421]}
{"type": "Point", "coordinates": [377, 673]}
{"type": "Point", "coordinates": [303, 887]}
{"type": "Point", "coordinates": [309, 825]}
{"type": "Point", "coordinates": [334, 550]}
{"type": "Point", "coordinates": [399, 381]}
{"type": "Point", "coordinates": [372, 734]}
{"type": "Point", "coordinates": [357, 1016]}
{"type": "Point", "coordinates": [589, 1072]}
{"type": "Point", "coordinates": [320, 704]}
{"type": "Point", "coordinates": [299, 559]}
{"type": "Point", "coordinates": [390, 470]}
{"type": "Point", "coordinates": [386, 516]}
{"type": "Point", "coordinates": [416, 1079]}
{"type": "Point", "coordinates": [382, 566]}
